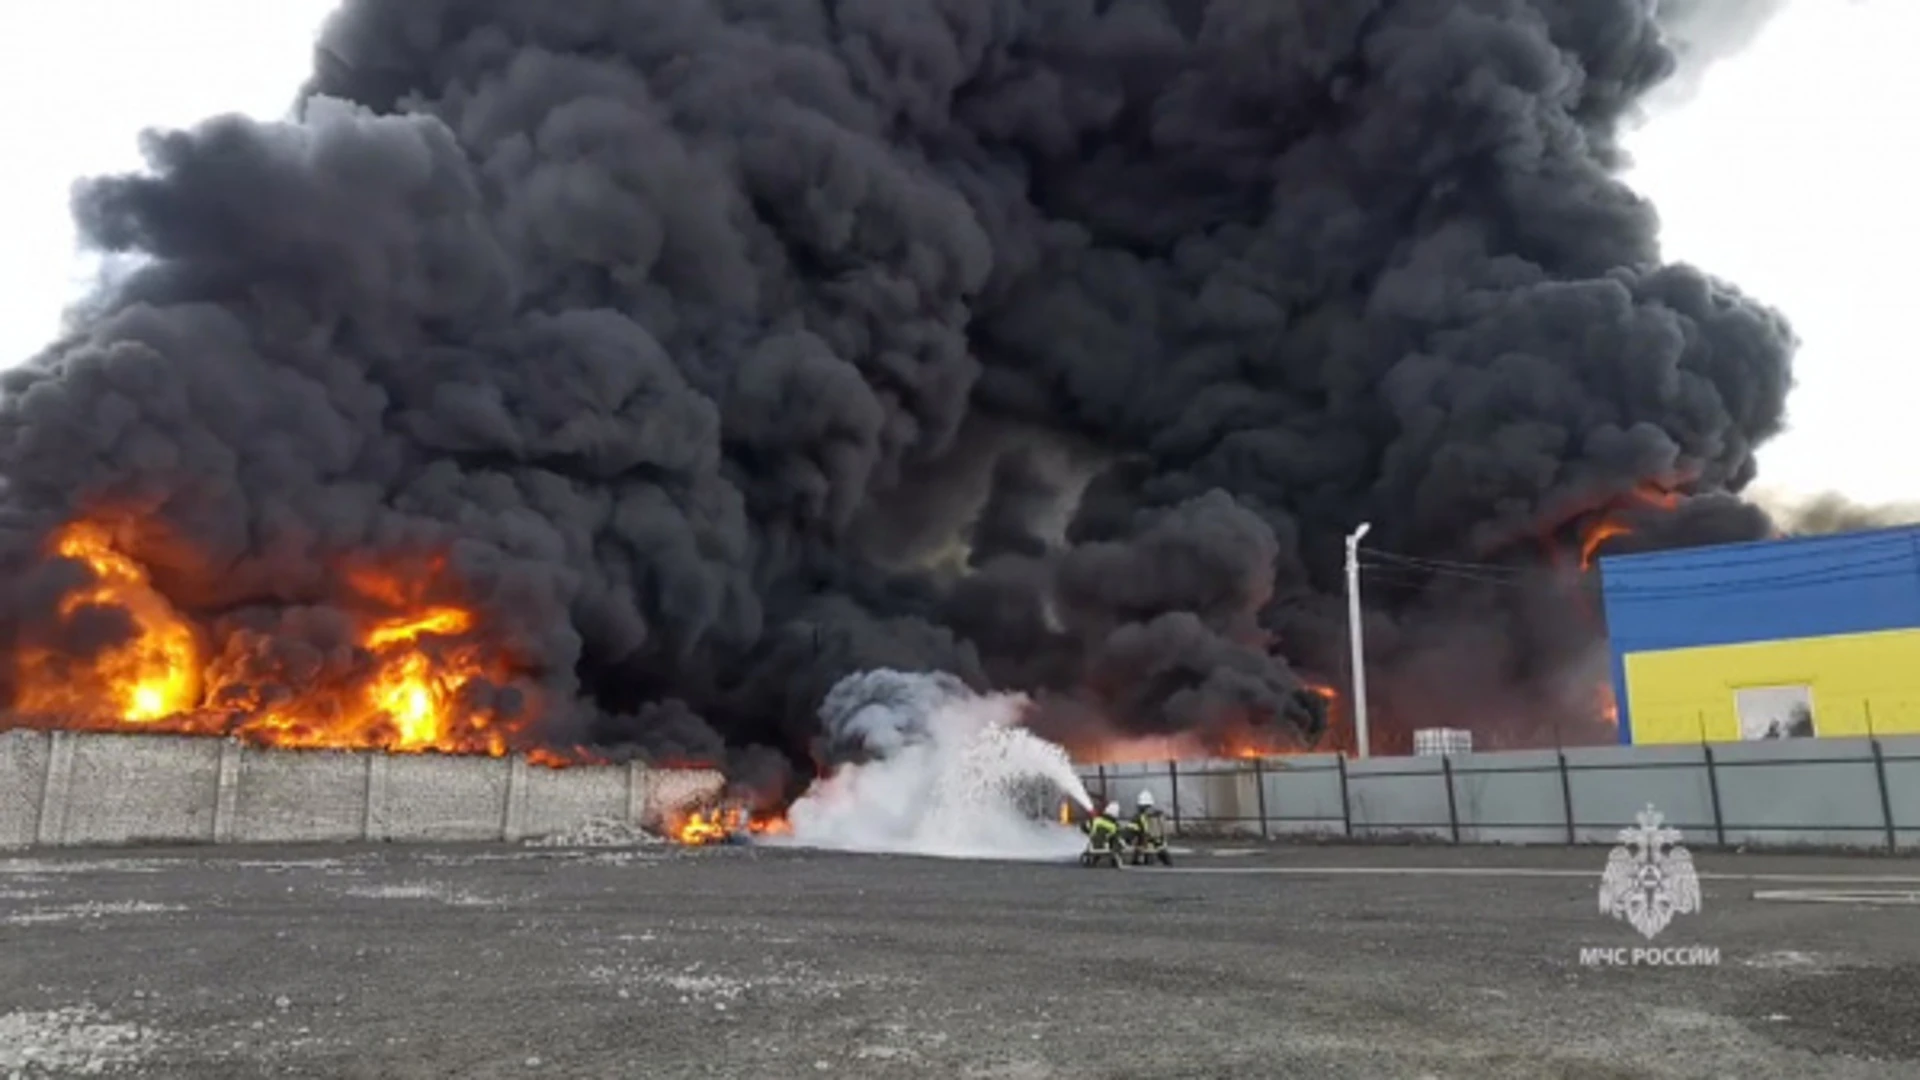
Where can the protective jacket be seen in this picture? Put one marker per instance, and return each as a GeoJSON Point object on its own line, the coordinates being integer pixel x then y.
{"type": "Point", "coordinates": [1149, 826]}
{"type": "Point", "coordinates": [1102, 831]}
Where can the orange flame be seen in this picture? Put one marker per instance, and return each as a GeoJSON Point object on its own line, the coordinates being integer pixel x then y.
{"type": "Point", "coordinates": [1324, 690]}
{"type": "Point", "coordinates": [1610, 525]}
{"type": "Point", "coordinates": [153, 675]}
{"type": "Point", "coordinates": [404, 685]}
{"type": "Point", "coordinates": [1608, 708]}
{"type": "Point", "coordinates": [408, 700]}
{"type": "Point", "coordinates": [1605, 530]}
{"type": "Point", "coordinates": [1248, 750]}
{"type": "Point", "coordinates": [700, 828]}
{"type": "Point", "coordinates": [1254, 743]}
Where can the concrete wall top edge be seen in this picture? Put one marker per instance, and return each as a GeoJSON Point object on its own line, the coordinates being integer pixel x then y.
{"type": "Point", "coordinates": [1783, 751]}
{"type": "Point", "coordinates": [1831, 748]}
{"type": "Point", "coordinates": [1903, 745]}
{"type": "Point", "coordinates": [1507, 761]}
{"type": "Point", "coordinates": [1592, 756]}
{"type": "Point", "coordinates": [1305, 763]}
{"type": "Point", "coordinates": [1301, 762]}
{"type": "Point", "coordinates": [248, 748]}
{"type": "Point", "coordinates": [1381, 766]}
{"type": "Point", "coordinates": [1223, 764]}
{"type": "Point", "coordinates": [1131, 768]}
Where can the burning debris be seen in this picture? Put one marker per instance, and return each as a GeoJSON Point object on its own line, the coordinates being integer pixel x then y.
{"type": "Point", "coordinates": [626, 375]}
{"type": "Point", "coordinates": [724, 825]}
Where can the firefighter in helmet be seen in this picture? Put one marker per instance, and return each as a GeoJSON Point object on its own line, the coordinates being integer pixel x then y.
{"type": "Point", "coordinates": [1147, 830]}
{"type": "Point", "coordinates": [1103, 836]}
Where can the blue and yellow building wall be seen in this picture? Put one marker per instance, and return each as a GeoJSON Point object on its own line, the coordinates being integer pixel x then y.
{"type": "Point", "coordinates": [1838, 615]}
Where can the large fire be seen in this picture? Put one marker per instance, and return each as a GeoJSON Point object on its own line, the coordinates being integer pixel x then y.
{"type": "Point", "coordinates": [153, 675]}
{"type": "Point", "coordinates": [407, 683]}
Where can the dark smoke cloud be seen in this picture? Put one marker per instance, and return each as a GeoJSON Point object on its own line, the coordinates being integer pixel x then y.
{"type": "Point", "coordinates": [878, 713]}
{"type": "Point", "coordinates": [1014, 518]}
{"type": "Point", "coordinates": [720, 345]}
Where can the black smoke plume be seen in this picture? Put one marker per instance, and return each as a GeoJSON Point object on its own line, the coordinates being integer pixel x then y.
{"type": "Point", "coordinates": [722, 348]}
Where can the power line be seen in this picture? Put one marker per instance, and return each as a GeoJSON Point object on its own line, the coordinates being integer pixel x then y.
{"type": "Point", "coordinates": [1411, 575]}
{"type": "Point", "coordinates": [1450, 564]}
{"type": "Point", "coordinates": [1412, 572]}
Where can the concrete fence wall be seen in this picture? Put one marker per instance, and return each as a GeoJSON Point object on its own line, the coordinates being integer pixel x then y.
{"type": "Point", "coordinates": [1801, 792]}
{"type": "Point", "coordinates": [79, 788]}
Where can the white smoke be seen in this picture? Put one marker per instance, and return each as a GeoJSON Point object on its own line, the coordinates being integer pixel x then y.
{"type": "Point", "coordinates": [1702, 33]}
{"type": "Point", "coordinates": [1830, 512]}
{"type": "Point", "coordinates": [944, 773]}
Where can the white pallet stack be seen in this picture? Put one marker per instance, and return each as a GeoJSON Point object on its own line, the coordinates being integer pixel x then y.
{"type": "Point", "coordinates": [1442, 742]}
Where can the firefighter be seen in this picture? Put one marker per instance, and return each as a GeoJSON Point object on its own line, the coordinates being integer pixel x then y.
{"type": "Point", "coordinates": [1103, 836]}
{"type": "Point", "coordinates": [1147, 830]}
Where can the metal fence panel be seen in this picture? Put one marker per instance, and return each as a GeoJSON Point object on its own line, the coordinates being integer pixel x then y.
{"type": "Point", "coordinates": [1401, 796]}
{"type": "Point", "coordinates": [1220, 796]}
{"type": "Point", "coordinates": [1303, 794]}
{"type": "Point", "coordinates": [1510, 798]}
{"type": "Point", "coordinates": [1901, 767]}
{"type": "Point", "coordinates": [1825, 792]}
{"type": "Point", "coordinates": [1612, 784]}
{"type": "Point", "coordinates": [1801, 791]}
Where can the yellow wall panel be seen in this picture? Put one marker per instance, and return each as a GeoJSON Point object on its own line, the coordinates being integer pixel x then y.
{"type": "Point", "coordinates": [1859, 684]}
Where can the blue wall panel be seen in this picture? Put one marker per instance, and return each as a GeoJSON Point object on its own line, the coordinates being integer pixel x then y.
{"type": "Point", "coordinates": [1731, 594]}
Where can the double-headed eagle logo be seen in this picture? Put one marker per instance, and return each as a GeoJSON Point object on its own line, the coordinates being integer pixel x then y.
{"type": "Point", "coordinates": [1649, 877]}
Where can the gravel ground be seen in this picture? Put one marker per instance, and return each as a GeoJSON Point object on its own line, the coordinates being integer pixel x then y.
{"type": "Point", "coordinates": [660, 962]}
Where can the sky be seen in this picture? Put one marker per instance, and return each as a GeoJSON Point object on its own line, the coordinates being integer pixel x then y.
{"type": "Point", "coordinates": [1788, 174]}
{"type": "Point", "coordinates": [1792, 175]}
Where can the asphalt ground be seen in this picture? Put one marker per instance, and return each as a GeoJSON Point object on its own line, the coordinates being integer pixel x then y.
{"type": "Point", "coordinates": [658, 962]}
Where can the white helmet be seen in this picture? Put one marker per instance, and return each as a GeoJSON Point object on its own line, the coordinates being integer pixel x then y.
{"type": "Point", "coordinates": [1113, 809]}
{"type": "Point", "coordinates": [1145, 799]}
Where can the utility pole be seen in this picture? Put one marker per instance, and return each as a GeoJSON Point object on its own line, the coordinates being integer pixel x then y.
{"type": "Point", "coordinates": [1355, 637]}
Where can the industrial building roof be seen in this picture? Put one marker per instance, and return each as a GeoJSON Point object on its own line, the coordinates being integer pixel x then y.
{"type": "Point", "coordinates": [1727, 594]}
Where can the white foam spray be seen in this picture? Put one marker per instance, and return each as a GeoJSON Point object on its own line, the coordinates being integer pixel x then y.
{"type": "Point", "coordinates": [944, 773]}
